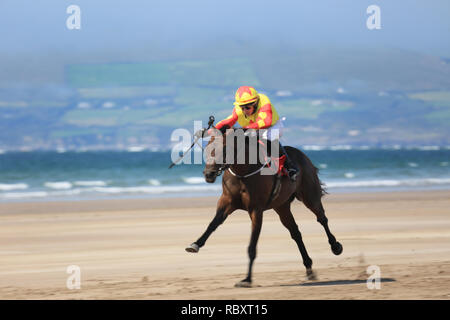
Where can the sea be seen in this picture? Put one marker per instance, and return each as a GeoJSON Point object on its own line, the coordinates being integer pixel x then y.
{"type": "Point", "coordinates": [140, 173]}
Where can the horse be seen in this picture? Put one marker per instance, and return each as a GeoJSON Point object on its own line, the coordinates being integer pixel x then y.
{"type": "Point", "coordinates": [243, 189]}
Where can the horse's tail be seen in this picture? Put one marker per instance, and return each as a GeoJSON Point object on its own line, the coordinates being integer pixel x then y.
{"type": "Point", "coordinates": [309, 186]}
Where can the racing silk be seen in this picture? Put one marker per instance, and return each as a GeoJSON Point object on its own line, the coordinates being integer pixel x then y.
{"type": "Point", "coordinates": [264, 117]}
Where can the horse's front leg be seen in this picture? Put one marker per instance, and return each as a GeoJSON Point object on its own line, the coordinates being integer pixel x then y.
{"type": "Point", "coordinates": [257, 217]}
{"type": "Point", "coordinates": [224, 208]}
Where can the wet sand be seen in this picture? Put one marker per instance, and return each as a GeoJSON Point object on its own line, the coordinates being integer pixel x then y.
{"type": "Point", "coordinates": [134, 249]}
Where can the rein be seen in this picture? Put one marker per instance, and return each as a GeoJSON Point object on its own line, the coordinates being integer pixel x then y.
{"type": "Point", "coordinates": [251, 173]}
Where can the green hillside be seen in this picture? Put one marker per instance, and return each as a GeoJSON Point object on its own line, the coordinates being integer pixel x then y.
{"type": "Point", "coordinates": [222, 73]}
{"type": "Point", "coordinates": [328, 97]}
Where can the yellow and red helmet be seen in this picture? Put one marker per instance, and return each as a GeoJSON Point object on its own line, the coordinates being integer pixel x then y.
{"type": "Point", "coordinates": [245, 95]}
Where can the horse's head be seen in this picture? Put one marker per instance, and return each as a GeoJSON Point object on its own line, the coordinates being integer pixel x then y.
{"type": "Point", "coordinates": [237, 155]}
{"type": "Point", "coordinates": [215, 155]}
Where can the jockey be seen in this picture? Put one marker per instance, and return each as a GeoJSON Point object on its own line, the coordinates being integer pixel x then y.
{"type": "Point", "coordinates": [254, 110]}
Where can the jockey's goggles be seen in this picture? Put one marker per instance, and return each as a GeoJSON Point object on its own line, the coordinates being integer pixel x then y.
{"type": "Point", "coordinates": [248, 106]}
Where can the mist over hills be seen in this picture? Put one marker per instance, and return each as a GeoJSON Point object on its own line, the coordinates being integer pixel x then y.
{"type": "Point", "coordinates": [117, 99]}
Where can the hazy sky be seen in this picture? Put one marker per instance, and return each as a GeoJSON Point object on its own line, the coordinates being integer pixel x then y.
{"type": "Point", "coordinates": [40, 26]}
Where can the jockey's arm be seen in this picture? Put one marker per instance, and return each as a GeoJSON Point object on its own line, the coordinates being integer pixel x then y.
{"type": "Point", "coordinates": [230, 121]}
{"type": "Point", "coordinates": [264, 119]}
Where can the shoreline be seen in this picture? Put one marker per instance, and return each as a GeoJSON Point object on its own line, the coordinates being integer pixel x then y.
{"type": "Point", "coordinates": [168, 196]}
{"type": "Point", "coordinates": [142, 203]}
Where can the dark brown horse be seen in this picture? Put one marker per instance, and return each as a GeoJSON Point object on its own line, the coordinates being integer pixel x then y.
{"type": "Point", "coordinates": [251, 192]}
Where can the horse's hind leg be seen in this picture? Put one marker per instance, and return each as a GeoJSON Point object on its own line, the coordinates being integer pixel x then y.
{"type": "Point", "coordinates": [224, 208]}
{"type": "Point", "coordinates": [287, 219]}
{"type": "Point", "coordinates": [316, 207]}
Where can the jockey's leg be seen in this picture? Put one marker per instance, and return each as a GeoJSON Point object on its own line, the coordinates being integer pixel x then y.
{"type": "Point", "coordinates": [291, 166]}
{"type": "Point", "coordinates": [273, 137]}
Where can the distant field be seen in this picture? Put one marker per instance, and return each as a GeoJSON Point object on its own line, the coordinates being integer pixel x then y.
{"type": "Point", "coordinates": [440, 100]}
{"type": "Point", "coordinates": [67, 133]}
{"type": "Point", "coordinates": [310, 109]}
{"type": "Point", "coordinates": [197, 95]}
{"type": "Point", "coordinates": [107, 117]}
{"type": "Point", "coordinates": [174, 116]}
{"type": "Point", "coordinates": [223, 73]}
{"type": "Point", "coordinates": [195, 104]}
{"type": "Point", "coordinates": [125, 92]}
{"type": "Point", "coordinates": [34, 103]}
{"type": "Point", "coordinates": [442, 117]}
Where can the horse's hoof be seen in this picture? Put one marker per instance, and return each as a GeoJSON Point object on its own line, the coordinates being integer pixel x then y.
{"type": "Point", "coordinates": [337, 248]}
{"type": "Point", "coordinates": [193, 248]}
{"type": "Point", "coordinates": [243, 284]}
{"type": "Point", "coordinates": [311, 275]}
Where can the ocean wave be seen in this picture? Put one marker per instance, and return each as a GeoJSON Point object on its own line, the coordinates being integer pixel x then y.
{"type": "Point", "coordinates": [151, 190]}
{"type": "Point", "coordinates": [365, 147]}
{"type": "Point", "coordinates": [194, 180]}
{"type": "Point", "coordinates": [13, 186]}
{"type": "Point", "coordinates": [428, 148]}
{"type": "Point", "coordinates": [313, 148]}
{"type": "Point", "coordinates": [341, 147]}
{"type": "Point", "coordinates": [58, 185]}
{"type": "Point", "coordinates": [349, 175]}
{"type": "Point", "coordinates": [136, 149]}
{"type": "Point", "coordinates": [208, 188]}
{"type": "Point", "coordinates": [24, 195]}
{"type": "Point", "coordinates": [39, 194]}
{"type": "Point", "coordinates": [154, 182]}
{"type": "Point", "coordinates": [389, 183]}
{"type": "Point", "coordinates": [158, 189]}
{"type": "Point", "coordinates": [72, 192]}
{"type": "Point", "coordinates": [93, 183]}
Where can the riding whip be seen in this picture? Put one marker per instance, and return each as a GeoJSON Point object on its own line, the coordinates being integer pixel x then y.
{"type": "Point", "coordinates": [210, 123]}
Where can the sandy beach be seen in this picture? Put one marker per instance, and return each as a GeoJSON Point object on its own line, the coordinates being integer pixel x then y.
{"type": "Point", "coordinates": [134, 249]}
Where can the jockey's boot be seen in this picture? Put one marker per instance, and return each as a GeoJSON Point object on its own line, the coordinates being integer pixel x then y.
{"type": "Point", "coordinates": [291, 166]}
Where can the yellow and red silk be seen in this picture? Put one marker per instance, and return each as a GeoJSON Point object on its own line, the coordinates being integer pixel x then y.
{"type": "Point", "coordinates": [263, 119]}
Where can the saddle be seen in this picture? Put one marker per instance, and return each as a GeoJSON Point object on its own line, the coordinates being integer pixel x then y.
{"type": "Point", "coordinates": [278, 164]}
